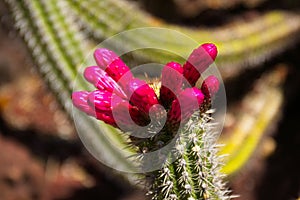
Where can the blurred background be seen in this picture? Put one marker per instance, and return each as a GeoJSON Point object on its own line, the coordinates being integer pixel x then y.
{"type": "Point", "coordinates": [41, 155]}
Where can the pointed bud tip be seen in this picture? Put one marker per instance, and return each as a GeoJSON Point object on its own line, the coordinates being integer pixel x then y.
{"type": "Point", "coordinates": [90, 73]}
{"type": "Point", "coordinates": [79, 96]}
{"type": "Point", "coordinates": [113, 65]}
{"type": "Point", "coordinates": [104, 57]}
{"type": "Point", "coordinates": [79, 99]}
{"type": "Point", "coordinates": [176, 66]}
{"type": "Point", "coordinates": [210, 86]}
{"type": "Point", "coordinates": [198, 61]}
{"type": "Point", "coordinates": [199, 95]}
{"type": "Point", "coordinates": [104, 52]}
{"type": "Point", "coordinates": [211, 49]}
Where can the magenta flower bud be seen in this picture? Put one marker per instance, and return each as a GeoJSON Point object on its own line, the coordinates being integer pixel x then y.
{"type": "Point", "coordinates": [103, 101]}
{"type": "Point", "coordinates": [141, 95]}
{"type": "Point", "coordinates": [199, 61]}
{"type": "Point", "coordinates": [210, 86]}
{"type": "Point", "coordinates": [102, 81]}
{"type": "Point", "coordinates": [211, 49]}
{"type": "Point", "coordinates": [126, 102]}
{"type": "Point", "coordinates": [106, 117]}
{"type": "Point", "coordinates": [171, 82]}
{"type": "Point", "coordinates": [119, 71]}
{"type": "Point", "coordinates": [80, 99]}
{"type": "Point", "coordinates": [128, 117]}
{"type": "Point", "coordinates": [113, 65]}
{"type": "Point", "coordinates": [185, 105]}
{"type": "Point", "coordinates": [104, 57]}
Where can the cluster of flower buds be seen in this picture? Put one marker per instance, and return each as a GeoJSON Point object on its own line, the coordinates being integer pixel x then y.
{"type": "Point", "coordinates": [119, 94]}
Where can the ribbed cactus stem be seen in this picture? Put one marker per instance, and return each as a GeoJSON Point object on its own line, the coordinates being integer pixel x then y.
{"type": "Point", "coordinates": [245, 44]}
{"type": "Point", "coordinates": [195, 174]}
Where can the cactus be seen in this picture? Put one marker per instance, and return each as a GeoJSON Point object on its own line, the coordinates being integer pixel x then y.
{"type": "Point", "coordinates": [195, 174]}
{"type": "Point", "coordinates": [58, 58]}
{"type": "Point", "coordinates": [55, 27]}
{"type": "Point", "coordinates": [189, 9]}
{"type": "Point", "coordinates": [264, 102]}
{"type": "Point", "coordinates": [60, 33]}
{"type": "Point", "coordinates": [240, 45]}
{"type": "Point", "coordinates": [186, 165]}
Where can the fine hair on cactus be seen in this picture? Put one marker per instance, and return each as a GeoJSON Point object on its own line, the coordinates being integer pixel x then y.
{"type": "Point", "coordinates": [168, 121]}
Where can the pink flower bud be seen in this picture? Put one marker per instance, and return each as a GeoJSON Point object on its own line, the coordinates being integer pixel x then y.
{"type": "Point", "coordinates": [106, 117]}
{"type": "Point", "coordinates": [126, 102]}
{"type": "Point", "coordinates": [210, 86]}
{"type": "Point", "coordinates": [171, 82]}
{"type": "Point", "coordinates": [128, 117]}
{"type": "Point", "coordinates": [104, 57]}
{"type": "Point", "coordinates": [113, 65]}
{"type": "Point", "coordinates": [211, 49]}
{"type": "Point", "coordinates": [80, 99]}
{"type": "Point", "coordinates": [103, 101]}
{"type": "Point", "coordinates": [141, 95]}
{"type": "Point", "coordinates": [119, 72]}
{"type": "Point", "coordinates": [185, 105]}
{"type": "Point", "coordinates": [102, 81]}
{"type": "Point", "coordinates": [199, 61]}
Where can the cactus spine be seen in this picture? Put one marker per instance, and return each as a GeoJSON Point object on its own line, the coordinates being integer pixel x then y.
{"type": "Point", "coordinates": [196, 172]}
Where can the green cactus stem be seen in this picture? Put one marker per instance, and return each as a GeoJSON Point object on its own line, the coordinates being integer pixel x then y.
{"type": "Point", "coordinates": [241, 45]}
{"type": "Point", "coordinates": [259, 109]}
{"type": "Point", "coordinates": [196, 172]}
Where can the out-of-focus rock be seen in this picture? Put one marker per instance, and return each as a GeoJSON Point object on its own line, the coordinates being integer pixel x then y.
{"type": "Point", "coordinates": [26, 104]}
{"type": "Point", "coordinates": [64, 178]}
{"type": "Point", "coordinates": [24, 177]}
{"type": "Point", "coordinates": [21, 177]}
